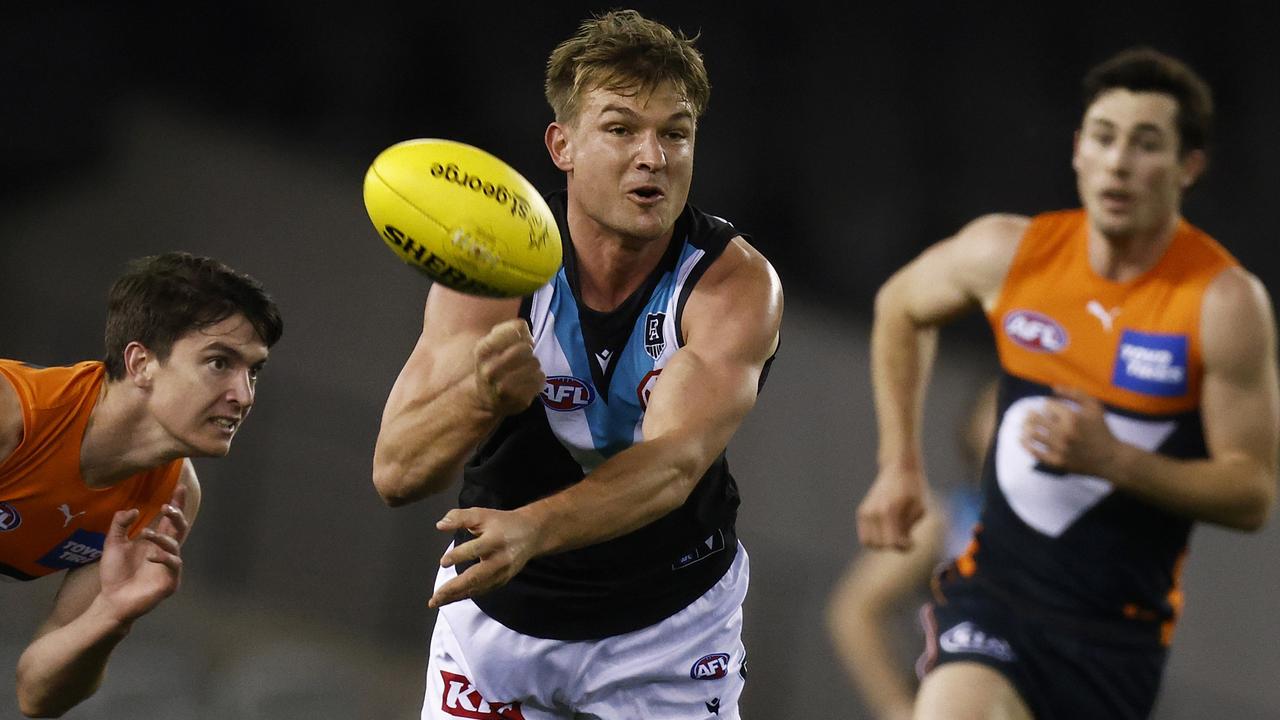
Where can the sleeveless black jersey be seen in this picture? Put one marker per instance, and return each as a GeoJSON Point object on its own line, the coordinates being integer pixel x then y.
{"type": "Point", "coordinates": [600, 369]}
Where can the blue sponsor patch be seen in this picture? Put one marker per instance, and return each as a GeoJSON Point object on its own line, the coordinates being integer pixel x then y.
{"type": "Point", "coordinates": [1151, 364]}
{"type": "Point", "coordinates": [82, 548]}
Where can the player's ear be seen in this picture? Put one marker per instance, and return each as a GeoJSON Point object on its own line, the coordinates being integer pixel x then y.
{"type": "Point", "coordinates": [1075, 150]}
{"type": "Point", "coordinates": [139, 364]}
{"type": "Point", "coordinates": [1193, 166]}
{"type": "Point", "coordinates": [560, 145]}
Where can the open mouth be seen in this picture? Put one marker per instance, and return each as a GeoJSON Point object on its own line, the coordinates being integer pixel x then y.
{"type": "Point", "coordinates": [226, 424]}
{"type": "Point", "coordinates": [648, 193]}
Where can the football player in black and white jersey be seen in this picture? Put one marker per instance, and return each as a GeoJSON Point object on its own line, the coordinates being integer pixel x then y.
{"type": "Point", "coordinates": [595, 571]}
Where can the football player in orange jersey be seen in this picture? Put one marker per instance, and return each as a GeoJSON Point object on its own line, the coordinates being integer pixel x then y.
{"type": "Point", "coordinates": [1138, 395]}
{"type": "Point", "coordinates": [94, 476]}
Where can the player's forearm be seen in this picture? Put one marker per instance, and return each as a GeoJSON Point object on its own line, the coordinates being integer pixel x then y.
{"type": "Point", "coordinates": [422, 446]}
{"type": "Point", "coordinates": [63, 667]}
{"type": "Point", "coordinates": [1235, 492]}
{"type": "Point", "coordinates": [902, 355]}
{"type": "Point", "coordinates": [630, 490]}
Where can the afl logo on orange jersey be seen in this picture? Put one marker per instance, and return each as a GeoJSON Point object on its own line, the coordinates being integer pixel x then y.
{"type": "Point", "coordinates": [9, 518]}
{"type": "Point", "coordinates": [1035, 331]}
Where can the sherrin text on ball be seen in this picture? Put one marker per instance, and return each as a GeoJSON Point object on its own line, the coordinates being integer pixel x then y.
{"type": "Point", "coordinates": [462, 216]}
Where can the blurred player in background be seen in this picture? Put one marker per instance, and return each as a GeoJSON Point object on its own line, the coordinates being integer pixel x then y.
{"type": "Point", "coordinates": [94, 478]}
{"type": "Point", "coordinates": [879, 584]}
{"type": "Point", "coordinates": [1138, 395]}
{"type": "Point", "coordinates": [595, 571]}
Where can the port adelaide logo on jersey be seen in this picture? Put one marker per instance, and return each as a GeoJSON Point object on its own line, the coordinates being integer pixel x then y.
{"type": "Point", "coordinates": [1035, 331]}
{"type": "Point", "coordinates": [565, 393]}
{"type": "Point", "coordinates": [654, 340]}
{"type": "Point", "coordinates": [1151, 364]}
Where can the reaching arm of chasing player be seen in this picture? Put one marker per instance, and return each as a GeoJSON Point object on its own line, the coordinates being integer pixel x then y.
{"type": "Point", "coordinates": [472, 366]}
{"type": "Point", "coordinates": [1240, 408]}
{"type": "Point", "coordinates": [731, 324]}
{"type": "Point", "coordinates": [955, 275]}
{"type": "Point", "coordinates": [97, 604]}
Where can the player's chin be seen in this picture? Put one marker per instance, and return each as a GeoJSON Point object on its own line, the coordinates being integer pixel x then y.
{"type": "Point", "coordinates": [650, 224]}
{"type": "Point", "coordinates": [212, 447]}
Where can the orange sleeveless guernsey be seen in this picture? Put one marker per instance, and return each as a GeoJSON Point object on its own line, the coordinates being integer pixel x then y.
{"type": "Point", "coordinates": [1051, 290]}
{"type": "Point", "coordinates": [1068, 543]}
{"type": "Point", "coordinates": [49, 519]}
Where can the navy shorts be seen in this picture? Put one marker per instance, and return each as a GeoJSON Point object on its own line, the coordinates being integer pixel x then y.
{"type": "Point", "coordinates": [1063, 668]}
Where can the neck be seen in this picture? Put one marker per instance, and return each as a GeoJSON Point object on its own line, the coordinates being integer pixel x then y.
{"type": "Point", "coordinates": [1122, 258]}
{"type": "Point", "coordinates": [120, 440]}
{"type": "Point", "coordinates": [611, 266]}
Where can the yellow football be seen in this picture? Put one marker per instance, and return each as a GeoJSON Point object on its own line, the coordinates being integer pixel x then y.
{"type": "Point", "coordinates": [462, 216]}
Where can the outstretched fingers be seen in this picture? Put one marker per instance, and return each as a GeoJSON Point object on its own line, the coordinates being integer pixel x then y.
{"type": "Point", "coordinates": [165, 550]}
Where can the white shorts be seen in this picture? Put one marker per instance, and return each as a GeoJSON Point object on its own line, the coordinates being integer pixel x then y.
{"type": "Point", "coordinates": [689, 666]}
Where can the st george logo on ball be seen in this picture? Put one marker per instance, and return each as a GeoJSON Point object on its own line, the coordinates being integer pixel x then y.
{"type": "Point", "coordinates": [462, 216]}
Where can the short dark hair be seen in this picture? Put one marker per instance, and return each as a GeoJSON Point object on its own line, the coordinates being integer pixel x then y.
{"type": "Point", "coordinates": [162, 297]}
{"type": "Point", "coordinates": [1144, 69]}
{"type": "Point", "coordinates": [622, 50]}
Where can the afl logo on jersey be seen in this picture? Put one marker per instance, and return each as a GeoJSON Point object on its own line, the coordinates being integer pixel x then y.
{"type": "Point", "coordinates": [9, 518]}
{"type": "Point", "coordinates": [564, 393]}
{"type": "Point", "coordinates": [710, 667]}
{"type": "Point", "coordinates": [1034, 331]}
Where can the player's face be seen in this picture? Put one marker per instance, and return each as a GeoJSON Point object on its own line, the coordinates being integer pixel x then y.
{"type": "Point", "coordinates": [204, 390]}
{"type": "Point", "coordinates": [1128, 168]}
{"type": "Point", "coordinates": [630, 160]}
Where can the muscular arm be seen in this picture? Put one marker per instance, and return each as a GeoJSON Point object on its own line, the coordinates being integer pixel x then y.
{"type": "Point", "coordinates": [958, 274]}
{"type": "Point", "coordinates": [97, 605]}
{"type": "Point", "coordinates": [731, 326]}
{"type": "Point", "coordinates": [436, 413]}
{"type": "Point", "coordinates": [1236, 485]}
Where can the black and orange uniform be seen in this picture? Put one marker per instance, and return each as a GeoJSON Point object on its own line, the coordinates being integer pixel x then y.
{"type": "Point", "coordinates": [49, 519]}
{"type": "Point", "coordinates": [1070, 587]}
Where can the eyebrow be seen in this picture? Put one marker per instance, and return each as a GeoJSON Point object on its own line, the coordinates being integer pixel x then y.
{"type": "Point", "coordinates": [225, 349]}
{"type": "Point", "coordinates": [624, 110]}
{"type": "Point", "coordinates": [1140, 127]}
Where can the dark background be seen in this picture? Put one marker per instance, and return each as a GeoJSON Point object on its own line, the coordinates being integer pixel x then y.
{"type": "Point", "coordinates": [844, 141]}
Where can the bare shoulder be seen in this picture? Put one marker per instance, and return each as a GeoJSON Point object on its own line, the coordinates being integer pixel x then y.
{"type": "Point", "coordinates": [996, 233]}
{"type": "Point", "coordinates": [741, 293]}
{"type": "Point", "coordinates": [1238, 326]}
{"type": "Point", "coordinates": [188, 481]}
{"type": "Point", "coordinates": [979, 255]}
{"type": "Point", "coordinates": [12, 424]}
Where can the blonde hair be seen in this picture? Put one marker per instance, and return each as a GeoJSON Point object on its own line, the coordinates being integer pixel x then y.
{"type": "Point", "coordinates": [622, 51]}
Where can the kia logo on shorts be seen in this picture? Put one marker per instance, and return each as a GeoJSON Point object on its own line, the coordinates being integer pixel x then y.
{"type": "Point", "coordinates": [564, 393]}
{"type": "Point", "coordinates": [710, 667]}
{"type": "Point", "coordinates": [1034, 331]}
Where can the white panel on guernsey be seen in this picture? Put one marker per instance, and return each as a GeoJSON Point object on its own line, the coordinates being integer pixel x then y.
{"type": "Point", "coordinates": [1048, 502]}
{"type": "Point", "coordinates": [570, 428]}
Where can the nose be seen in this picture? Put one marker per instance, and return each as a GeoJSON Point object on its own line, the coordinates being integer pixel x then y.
{"type": "Point", "coordinates": [241, 391]}
{"type": "Point", "coordinates": [1119, 158]}
{"type": "Point", "coordinates": [650, 155]}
